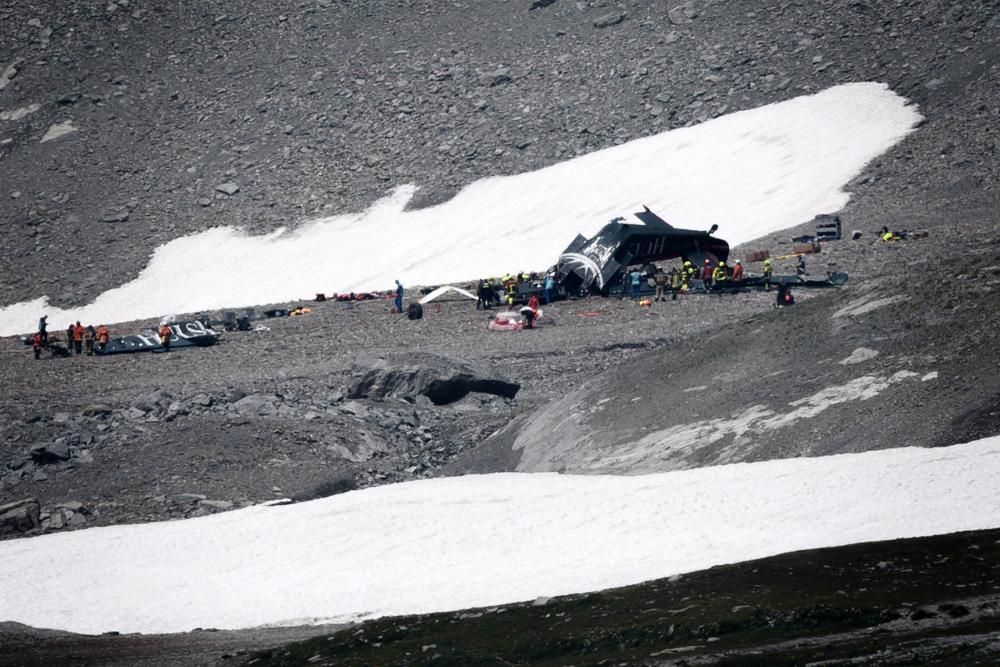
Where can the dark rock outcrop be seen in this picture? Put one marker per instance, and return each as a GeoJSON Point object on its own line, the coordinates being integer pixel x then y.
{"type": "Point", "coordinates": [20, 516]}
{"type": "Point", "coordinates": [440, 379]}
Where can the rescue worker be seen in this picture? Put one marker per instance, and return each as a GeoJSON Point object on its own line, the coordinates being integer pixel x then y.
{"type": "Point", "coordinates": [784, 296]}
{"type": "Point", "coordinates": [661, 280]}
{"type": "Point", "coordinates": [42, 328]}
{"type": "Point", "coordinates": [482, 295]}
{"type": "Point", "coordinates": [687, 273]}
{"type": "Point", "coordinates": [550, 283]}
{"type": "Point", "coordinates": [719, 277]}
{"type": "Point", "coordinates": [706, 275]}
{"type": "Point", "coordinates": [37, 343]}
{"type": "Point", "coordinates": [800, 268]}
{"type": "Point", "coordinates": [767, 273]}
{"type": "Point", "coordinates": [69, 338]}
{"type": "Point", "coordinates": [738, 273]}
{"type": "Point", "coordinates": [676, 283]}
{"type": "Point", "coordinates": [399, 297]}
{"type": "Point", "coordinates": [78, 337]}
{"type": "Point", "coordinates": [89, 335]}
{"type": "Point", "coordinates": [165, 336]}
{"type": "Point", "coordinates": [102, 338]}
{"type": "Point", "coordinates": [510, 287]}
{"type": "Point", "coordinates": [635, 281]}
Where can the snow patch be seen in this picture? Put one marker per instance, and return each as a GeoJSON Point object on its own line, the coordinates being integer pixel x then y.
{"type": "Point", "coordinates": [860, 355]}
{"type": "Point", "coordinates": [867, 304]}
{"type": "Point", "coordinates": [18, 114]}
{"type": "Point", "coordinates": [59, 130]}
{"type": "Point", "coordinates": [674, 444]}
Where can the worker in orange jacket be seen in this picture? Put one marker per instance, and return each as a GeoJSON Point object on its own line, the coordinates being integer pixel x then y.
{"type": "Point", "coordinates": [738, 272]}
{"type": "Point", "coordinates": [78, 337]}
{"type": "Point", "coordinates": [165, 336]}
{"type": "Point", "coordinates": [102, 338]}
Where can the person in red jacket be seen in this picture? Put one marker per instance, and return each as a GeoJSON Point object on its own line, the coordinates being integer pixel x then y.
{"type": "Point", "coordinates": [36, 343]}
{"type": "Point", "coordinates": [706, 275]}
{"type": "Point", "coordinates": [78, 337]}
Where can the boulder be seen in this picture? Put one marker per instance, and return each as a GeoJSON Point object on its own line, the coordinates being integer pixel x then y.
{"type": "Point", "coordinates": [608, 20]}
{"type": "Point", "coordinates": [20, 516]}
{"type": "Point", "coordinates": [155, 402]}
{"type": "Point", "coordinates": [255, 405]}
{"type": "Point", "coordinates": [440, 379]}
{"type": "Point", "coordinates": [50, 453]}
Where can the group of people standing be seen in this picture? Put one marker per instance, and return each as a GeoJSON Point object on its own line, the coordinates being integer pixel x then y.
{"type": "Point", "coordinates": [493, 290]}
{"type": "Point", "coordinates": [715, 277]}
{"type": "Point", "coordinates": [78, 338]}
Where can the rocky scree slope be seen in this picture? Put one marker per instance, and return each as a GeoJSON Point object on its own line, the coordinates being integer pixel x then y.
{"type": "Point", "coordinates": [898, 358]}
{"type": "Point", "coordinates": [184, 116]}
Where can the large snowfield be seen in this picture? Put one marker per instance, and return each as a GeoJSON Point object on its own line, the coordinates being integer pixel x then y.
{"type": "Point", "coordinates": [751, 172]}
{"type": "Point", "coordinates": [482, 540]}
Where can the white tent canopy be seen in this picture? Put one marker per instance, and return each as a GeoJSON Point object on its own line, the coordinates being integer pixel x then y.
{"type": "Point", "coordinates": [440, 292]}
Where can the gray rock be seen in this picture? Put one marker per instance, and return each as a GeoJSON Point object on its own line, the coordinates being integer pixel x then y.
{"type": "Point", "coordinates": [19, 516]}
{"type": "Point", "coordinates": [119, 215]}
{"type": "Point", "coordinates": [202, 400]}
{"type": "Point", "coordinates": [50, 453]}
{"type": "Point", "coordinates": [154, 402]}
{"type": "Point", "coordinates": [96, 409]}
{"type": "Point", "coordinates": [233, 395]}
{"type": "Point", "coordinates": [608, 20]}
{"type": "Point", "coordinates": [217, 504]}
{"type": "Point", "coordinates": [9, 73]}
{"type": "Point", "coordinates": [135, 413]}
{"type": "Point", "coordinates": [440, 379]}
{"type": "Point", "coordinates": [683, 14]}
{"type": "Point", "coordinates": [497, 77]}
{"type": "Point", "coordinates": [354, 408]}
{"type": "Point", "coordinates": [255, 405]}
{"type": "Point", "coordinates": [229, 188]}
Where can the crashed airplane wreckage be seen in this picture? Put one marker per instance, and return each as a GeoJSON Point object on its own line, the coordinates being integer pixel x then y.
{"type": "Point", "coordinates": [183, 334]}
{"type": "Point", "coordinates": [599, 264]}
{"type": "Point", "coordinates": [595, 264]}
